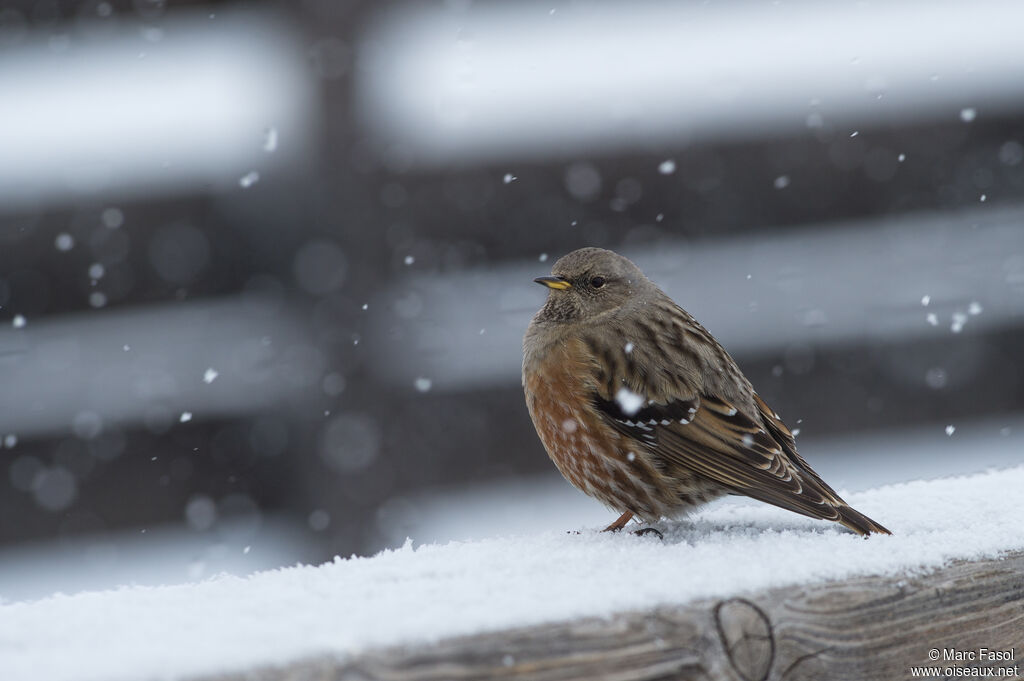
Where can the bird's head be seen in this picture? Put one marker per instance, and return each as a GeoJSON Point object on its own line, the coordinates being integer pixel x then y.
{"type": "Point", "coordinates": [589, 283]}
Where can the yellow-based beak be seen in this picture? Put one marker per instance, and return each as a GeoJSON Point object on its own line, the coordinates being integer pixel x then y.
{"type": "Point", "coordinates": [554, 282]}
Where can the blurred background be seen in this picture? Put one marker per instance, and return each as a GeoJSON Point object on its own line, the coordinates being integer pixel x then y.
{"type": "Point", "coordinates": [265, 267]}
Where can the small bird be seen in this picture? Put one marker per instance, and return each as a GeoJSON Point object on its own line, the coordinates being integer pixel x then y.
{"type": "Point", "coordinates": [640, 407]}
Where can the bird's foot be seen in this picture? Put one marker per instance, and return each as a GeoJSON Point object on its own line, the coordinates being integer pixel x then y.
{"type": "Point", "coordinates": [644, 531]}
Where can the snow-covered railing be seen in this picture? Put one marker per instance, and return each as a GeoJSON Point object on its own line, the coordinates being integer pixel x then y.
{"type": "Point", "coordinates": [882, 627]}
{"type": "Point", "coordinates": [740, 591]}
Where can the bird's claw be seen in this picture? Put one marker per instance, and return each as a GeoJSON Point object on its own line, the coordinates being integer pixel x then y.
{"type": "Point", "coordinates": [644, 531]}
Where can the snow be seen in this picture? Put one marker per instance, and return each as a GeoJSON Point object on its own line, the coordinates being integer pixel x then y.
{"type": "Point", "coordinates": [270, 140]}
{"type": "Point", "coordinates": [629, 401]}
{"type": "Point", "coordinates": [249, 179]}
{"type": "Point", "coordinates": [112, 218]}
{"type": "Point", "coordinates": [421, 593]}
{"type": "Point", "coordinates": [64, 242]}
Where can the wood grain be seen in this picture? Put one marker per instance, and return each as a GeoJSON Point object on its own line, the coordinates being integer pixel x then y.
{"type": "Point", "coordinates": [861, 629]}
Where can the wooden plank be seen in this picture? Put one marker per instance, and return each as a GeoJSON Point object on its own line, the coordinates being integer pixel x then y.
{"type": "Point", "coordinates": [860, 629]}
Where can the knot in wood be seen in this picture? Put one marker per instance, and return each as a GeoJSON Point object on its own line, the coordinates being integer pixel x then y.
{"type": "Point", "coordinates": [746, 635]}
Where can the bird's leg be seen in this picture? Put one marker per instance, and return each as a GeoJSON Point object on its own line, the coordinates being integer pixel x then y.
{"type": "Point", "coordinates": [620, 523]}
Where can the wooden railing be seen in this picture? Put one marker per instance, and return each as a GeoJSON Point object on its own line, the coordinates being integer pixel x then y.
{"type": "Point", "coordinates": [865, 629]}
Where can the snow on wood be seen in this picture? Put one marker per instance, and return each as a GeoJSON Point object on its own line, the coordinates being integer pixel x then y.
{"type": "Point", "coordinates": [422, 594]}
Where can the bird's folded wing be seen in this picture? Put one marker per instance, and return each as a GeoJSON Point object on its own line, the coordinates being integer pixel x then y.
{"type": "Point", "coordinates": [708, 436]}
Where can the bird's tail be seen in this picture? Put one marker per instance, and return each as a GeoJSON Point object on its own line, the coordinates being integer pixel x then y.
{"type": "Point", "coordinates": [858, 522]}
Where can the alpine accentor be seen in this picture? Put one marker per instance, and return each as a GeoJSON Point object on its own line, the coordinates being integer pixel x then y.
{"type": "Point", "coordinates": [639, 406]}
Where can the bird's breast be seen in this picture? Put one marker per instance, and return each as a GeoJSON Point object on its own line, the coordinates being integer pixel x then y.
{"type": "Point", "coordinates": [591, 455]}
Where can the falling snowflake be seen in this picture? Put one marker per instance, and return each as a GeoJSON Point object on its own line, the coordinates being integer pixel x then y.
{"type": "Point", "coordinates": [64, 242]}
{"type": "Point", "coordinates": [270, 140]}
{"type": "Point", "coordinates": [249, 179]}
{"type": "Point", "coordinates": [629, 401]}
{"type": "Point", "coordinates": [959, 320]}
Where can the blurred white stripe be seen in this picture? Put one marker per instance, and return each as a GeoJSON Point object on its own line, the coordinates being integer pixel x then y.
{"type": "Point", "coordinates": [757, 294]}
{"type": "Point", "coordinates": [127, 114]}
{"type": "Point", "coordinates": [147, 366]}
{"type": "Point", "coordinates": [166, 554]}
{"type": "Point", "coordinates": [531, 79]}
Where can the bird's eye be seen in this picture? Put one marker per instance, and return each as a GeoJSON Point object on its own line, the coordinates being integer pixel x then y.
{"type": "Point", "coordinates": [597, 282]}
